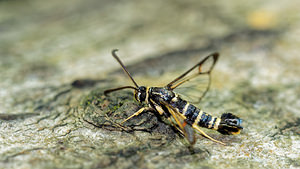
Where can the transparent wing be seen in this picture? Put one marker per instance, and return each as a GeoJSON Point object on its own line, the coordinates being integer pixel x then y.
{"type": "Point", "coordinates": [194, 83]}
{"type": "Point", "coordinates": [194, 90]}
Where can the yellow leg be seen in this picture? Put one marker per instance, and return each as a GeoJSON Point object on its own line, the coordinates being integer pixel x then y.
{"type": "Point", "coordinates": [175, 118]}
{"type": "Point", "coordinates": [170, 120]}
{"type": "Point", "coordinates": [207, 136]}
{"type": "Point", "coordinates": [144, 109]}
{"type": "Point", "coordinates": [183, 127]}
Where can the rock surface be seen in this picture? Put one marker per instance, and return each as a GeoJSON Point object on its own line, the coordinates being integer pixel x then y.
{"type": "Point", "coordinates": [56, 63]}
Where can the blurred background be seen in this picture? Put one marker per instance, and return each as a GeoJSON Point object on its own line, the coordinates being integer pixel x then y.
{"type": "Point", "coordinates": [66, 40]}
{"type": "Point", "coordinates": [53, 43]}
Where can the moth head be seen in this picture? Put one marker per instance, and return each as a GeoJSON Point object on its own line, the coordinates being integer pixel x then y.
{"type": "Point", "coordinates": [140, 94]}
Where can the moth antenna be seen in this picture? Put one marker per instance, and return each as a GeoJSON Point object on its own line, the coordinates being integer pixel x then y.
{"type": "Point", "coordinates": [123, 67]}
{"type": "Point", "coordinates": [119, 88]}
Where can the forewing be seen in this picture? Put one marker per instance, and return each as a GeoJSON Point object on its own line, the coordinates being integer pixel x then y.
{"type": "Point", "coordinates": [194, 83]}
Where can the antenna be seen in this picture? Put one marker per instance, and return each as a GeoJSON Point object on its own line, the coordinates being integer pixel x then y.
{"type": "Point", "coordinates": [113, 52]}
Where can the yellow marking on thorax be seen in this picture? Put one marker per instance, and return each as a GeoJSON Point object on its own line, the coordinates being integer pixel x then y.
{"type": "Point", "coordinates": [174, 99]}
{"type": "Point", "coordinates": [157, 93]}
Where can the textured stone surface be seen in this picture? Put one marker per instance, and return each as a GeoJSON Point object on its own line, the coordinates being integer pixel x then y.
{"type": "Point", "coordinates": [55, 62]}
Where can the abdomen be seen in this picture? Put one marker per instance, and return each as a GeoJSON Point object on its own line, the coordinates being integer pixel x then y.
{"type": "Point", "coordinates": [227, 124]}
{"type": "Point", "coordinates": [194, 115]}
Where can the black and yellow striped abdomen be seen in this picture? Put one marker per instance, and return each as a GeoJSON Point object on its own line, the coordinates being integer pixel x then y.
{"type": "Point", "coordinates": [164, 98]}
{"type": "Point", "coordinates": [194, 115]}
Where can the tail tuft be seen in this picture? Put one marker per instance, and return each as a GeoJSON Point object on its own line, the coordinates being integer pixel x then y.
{"type": "Point", "coordinates": [230, 124]}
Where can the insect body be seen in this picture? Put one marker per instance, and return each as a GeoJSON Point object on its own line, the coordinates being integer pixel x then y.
{"type": "Point", "coordinates": [182, 114]}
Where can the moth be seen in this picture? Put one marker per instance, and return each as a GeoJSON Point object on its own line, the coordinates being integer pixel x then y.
{"type": "Point", "coordinates": [183, 115]}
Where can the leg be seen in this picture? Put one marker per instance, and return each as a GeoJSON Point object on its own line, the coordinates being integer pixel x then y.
{"type": "Point", "coordinates": [185, 129]}
{"type": "Point", "coordinates": [173, 124]}
{"type": "Point", "coordinates": [205, 135]}
{"type": "Point", "coordinates": [144, 109]}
